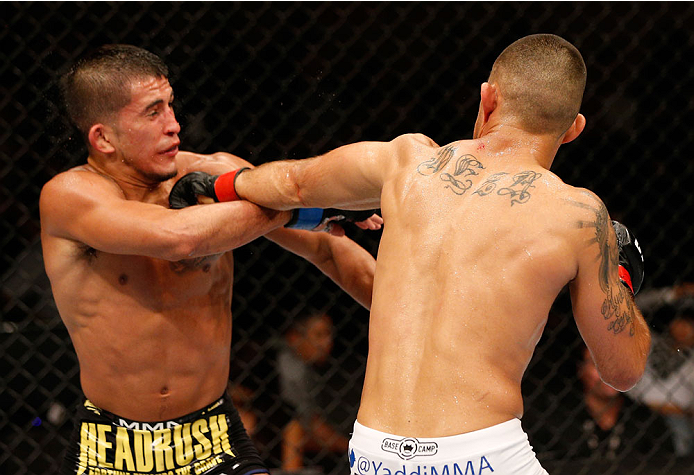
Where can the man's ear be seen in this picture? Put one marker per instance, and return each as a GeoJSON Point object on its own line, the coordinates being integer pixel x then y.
{"type": "Point", "coordinates": [488, 100]}
{"type": "Point", "coordinates": [99, 139]}
{"type": "Point", "coordinates": [488, 103]}
{"type": "Point", "coordinates": [575, 129]}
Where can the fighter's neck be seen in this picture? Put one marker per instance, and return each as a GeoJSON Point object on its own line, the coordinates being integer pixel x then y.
{"type": "Point", "coordinates": [134, 186]}
{"type": "Point", "coordinates": [505, 141]}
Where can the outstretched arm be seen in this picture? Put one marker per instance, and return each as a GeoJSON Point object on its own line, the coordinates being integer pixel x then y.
{"type": "Point", "coordinates": [85, 207]}
{"type": "Point", "coordinates": [349, 265]}
{"type": "Point", "coordinates": [349, 177]}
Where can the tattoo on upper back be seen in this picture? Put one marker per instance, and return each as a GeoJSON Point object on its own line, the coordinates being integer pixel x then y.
{"type": "Point", "coordinates": [466, 169]}
{"type": "Point", "coordinates": [618, 306]}
{"type": "Point", "coordinates": [519, 189]}
{"type": "Point", "coordinates": [489, 185]}
{"type": "Point", "coordinates": [435, 164]}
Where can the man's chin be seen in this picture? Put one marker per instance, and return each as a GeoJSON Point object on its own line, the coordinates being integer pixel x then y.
{"type": "Point", "coordinates": [170, 175]}
{"type": "Point", "coordinates": [161, 177]}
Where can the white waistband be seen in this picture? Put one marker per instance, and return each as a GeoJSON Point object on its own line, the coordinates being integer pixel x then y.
{"type": "Point", "coordinates": [412, 448]}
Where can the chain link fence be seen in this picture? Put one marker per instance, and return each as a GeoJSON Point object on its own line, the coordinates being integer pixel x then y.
{"type": "Point", "coordinates": [290, 80]}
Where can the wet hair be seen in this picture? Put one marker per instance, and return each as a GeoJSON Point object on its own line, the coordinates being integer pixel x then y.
{"type": "Point", "coordinates": [98, 84]}
{"type": "Point", "coordinates": [541, 79]}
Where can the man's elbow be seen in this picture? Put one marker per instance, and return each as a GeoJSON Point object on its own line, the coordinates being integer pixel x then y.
{"type": "Point", "coordinates": [293, 188]}
{"type": "Point", "coordinates": [624, 369]}
{"type": "Point", "coordinates": [622, 383]}
{"type": "Point", "coordinates": [177, 244]}
{"type": "Point", "coordinates": [625, 378]}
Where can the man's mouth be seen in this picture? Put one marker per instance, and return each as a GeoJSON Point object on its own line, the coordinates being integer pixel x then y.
{"type": "Point", "coordinates": [172, 151]}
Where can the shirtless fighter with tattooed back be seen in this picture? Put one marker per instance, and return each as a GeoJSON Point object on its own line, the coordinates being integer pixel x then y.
{"type": "Point", "coordinates": [479, 238]}
{"type": "Point", "coordinates": [145, 291]}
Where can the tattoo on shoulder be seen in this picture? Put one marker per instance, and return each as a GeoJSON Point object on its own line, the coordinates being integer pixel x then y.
{"type": "Point", "coordinates": [608, 257]}
{"type": "Point", "coordinates": [518, 190]}
{"type": "Point", "coordinates": [461, 178]}
{"type": "Point", "coordinates": [458, 181]}
{"type": "Point", "coordinates": [435, 164]}
{"type": "Point", "coordinates": [490, 185]}
{"type": "Point", "coordinates": [618, 306]}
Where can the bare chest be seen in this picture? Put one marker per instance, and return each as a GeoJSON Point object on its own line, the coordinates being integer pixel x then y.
{"type": "Point", "coordinates": [156, 283]}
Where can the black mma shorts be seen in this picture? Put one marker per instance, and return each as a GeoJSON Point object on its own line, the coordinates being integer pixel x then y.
{"type": "Point", "coordinates": [210, 441]}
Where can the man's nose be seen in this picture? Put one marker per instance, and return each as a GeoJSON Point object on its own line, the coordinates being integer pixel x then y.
{"type": "Point", "coordinates": [172, 126]}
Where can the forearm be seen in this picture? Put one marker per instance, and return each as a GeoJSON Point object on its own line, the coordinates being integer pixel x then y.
{"type": "Point", "coordinates": [272, 184]}
{"type": "Point", "coordinates": [642, 343]}
{"type": "Point", "coordinates": [349, 177]}
{"type": "Point", "coordinates": [622, 361]}
{"type": "Point", "coordinates": [347, 263]}
{"type": "Point", "coordinates": [216, 228]}
{"type": "Point", "coordinates": [351, 267]}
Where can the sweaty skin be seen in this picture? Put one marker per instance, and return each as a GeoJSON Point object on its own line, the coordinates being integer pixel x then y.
{"type": "Point", "coordinates": [144, 291]}
{"type": "Point", "coordinates": [479, 238]}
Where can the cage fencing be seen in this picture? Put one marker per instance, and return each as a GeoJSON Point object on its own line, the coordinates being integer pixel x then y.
{"type": "Point", "coordinates": [290, 80]}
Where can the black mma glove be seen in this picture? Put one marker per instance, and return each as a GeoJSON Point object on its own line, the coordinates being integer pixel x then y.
{"type": "Point", "coordinates": [218, 187]}
{"type": "Point", "coordinates": [631, 268]}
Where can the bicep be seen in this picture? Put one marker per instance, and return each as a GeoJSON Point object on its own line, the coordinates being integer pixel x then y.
{"type": "Point", "coordinates": [350, 176]}
{"type": "Point", "coordinates": [97, 215]}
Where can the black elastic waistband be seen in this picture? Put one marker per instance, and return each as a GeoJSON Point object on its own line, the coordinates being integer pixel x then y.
{"type": "Point", "coordinates": [118, 420]}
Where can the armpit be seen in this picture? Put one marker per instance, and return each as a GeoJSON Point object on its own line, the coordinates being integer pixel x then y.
{"type": "Point", "coordinates": [186, 265]}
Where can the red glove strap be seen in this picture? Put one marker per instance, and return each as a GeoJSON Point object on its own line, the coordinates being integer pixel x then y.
{"type": "Point", "coordinates": [626, 278]}
{"type": "Point", "coordinates": [224, 185]}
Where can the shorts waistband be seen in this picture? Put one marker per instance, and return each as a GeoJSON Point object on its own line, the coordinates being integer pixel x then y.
{"type": "Point", "coordinates": [118, 420]}
{"type": "Point", "coordinates": [482, 440]}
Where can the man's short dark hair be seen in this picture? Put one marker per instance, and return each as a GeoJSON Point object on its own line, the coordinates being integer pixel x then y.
{"type": "Point", "coordinates": [98, 84]}
{"type": "Point", "coordinates": [541, 78]}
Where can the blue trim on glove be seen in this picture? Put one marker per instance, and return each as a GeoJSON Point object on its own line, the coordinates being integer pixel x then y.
{"type": "Point", "coordinates": [306, 218]}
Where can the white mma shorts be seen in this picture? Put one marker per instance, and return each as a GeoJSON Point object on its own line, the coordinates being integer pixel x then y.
{"type": "Point", "coordinates": [502, 449]}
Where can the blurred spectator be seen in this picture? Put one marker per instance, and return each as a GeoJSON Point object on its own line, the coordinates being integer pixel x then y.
{"type": "Point", "coordinates": [603, 432]}
{"type": "Point", "coordinates": [307, 344]}
{"type": "Point", "coordinates": [679, 297]}
{"type": "Point", "coordinates": [607, 428]}
{"type": "Point", "coordinates": [254, 390]}
{"type": "Point", "coordinates": [668, 383]}
{"type": "Point", "coordinates": [243, 402]}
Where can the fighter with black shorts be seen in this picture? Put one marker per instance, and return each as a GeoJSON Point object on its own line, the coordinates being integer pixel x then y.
{"type": "Point", "coordinates": [209, 441]}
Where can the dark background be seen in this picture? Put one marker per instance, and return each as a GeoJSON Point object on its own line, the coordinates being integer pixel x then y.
{"type": "Point", "coordinates": [267, 81]}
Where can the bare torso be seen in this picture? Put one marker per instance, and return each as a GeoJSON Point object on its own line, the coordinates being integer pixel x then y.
{"type": "Point", "coordinates": [152, 336]}
{"type": "Point", "coordinates": [475, 249]}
